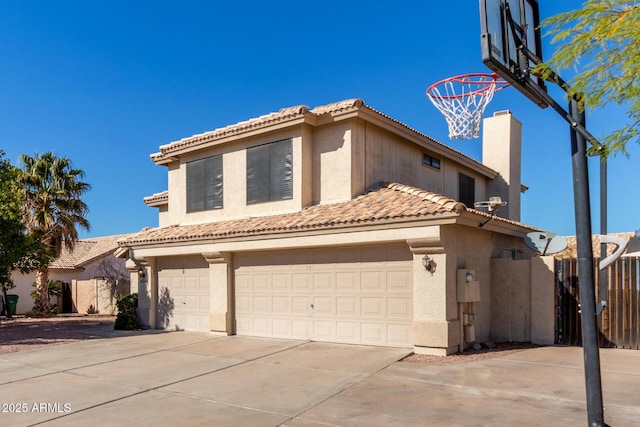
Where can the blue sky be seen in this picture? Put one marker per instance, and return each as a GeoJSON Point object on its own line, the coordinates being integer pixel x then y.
{"type": "Point", "coordinates": [105, 83]}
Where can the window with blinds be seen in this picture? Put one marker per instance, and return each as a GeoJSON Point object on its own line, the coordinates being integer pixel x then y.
{"type": "Point", "coordinates": [204, 184]}
{"type": "Point", "coordinates": [270, 172]}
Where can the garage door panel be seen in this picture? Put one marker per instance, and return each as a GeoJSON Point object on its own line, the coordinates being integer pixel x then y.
{"type": "Point", "coordinates": [372, 281]}
{"type": "Point", "coordinates": [348, 295]}
{"type": "Point", "coordinates": [399, 281]}
{"type": "Point", "coordinates": [243, 304]}
{"type": "Point", "coordinates": [281, 282]}
{"type": "Point", "coordinates": [281, 305]}
{"type": "Point", "coordinates": [372, 307]}
{"type": "Point", "coordinates": [347, 306]}
{"type": "Point", "coordinates": [323, 306]}
{"type": "Point", "coordinates": [323, 282]}
{"type": "Point", "coordinates": [243, 283]}
{"type": "Point", "coordinates": [262, 304]}
{"type": "Point", "coordinates": [324, 330]}
{"type": "Point", "coordinates": [262, 326]}
{"type": "Point", "coordinates": [399, 335]}
{"type": "Point", "coordinates": [243, 325]}
{"type": "Point", "coordinates": [348, 332]}
{"type": "Point", "coordinates": [347, 281]}
{"type": "Point", "coordinates": [183, 294]}
{"type": "Point", "coordinates": [261, 282]}
{"type": "Point", "coordinates": [301, 305]}
{"type": "Point", "coordinates": [301, 329]}
{"type": "Point", "coordinates": [372, 333]}
{"type": "Point", "coordinates": [399, 308]}
{"type": "Point", "coordinates": [301, 282]}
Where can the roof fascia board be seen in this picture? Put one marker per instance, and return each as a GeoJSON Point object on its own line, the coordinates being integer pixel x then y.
{"type": "Point", "coordinates": [496, 224]}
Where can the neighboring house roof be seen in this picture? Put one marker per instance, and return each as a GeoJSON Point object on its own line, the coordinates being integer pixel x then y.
{"type": "Point", "coordinates": [86, 251]}
{"type": "Point", "coordinates": [296, 113]}
{"type": "Point", "coordinates": [383, 202]}
{"type": "Point", "coordinates": [572, 245]}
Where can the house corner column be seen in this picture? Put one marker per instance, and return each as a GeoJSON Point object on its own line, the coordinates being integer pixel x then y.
{"type": "Point", "coordinates": [220, 292]}
{"type": "Point", "coordinates": [144, 282]}
{"type": "Point", "coordinates": [433, 332]}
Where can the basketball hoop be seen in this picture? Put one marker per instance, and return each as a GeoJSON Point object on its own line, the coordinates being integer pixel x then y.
{"type": "Point", "coordinates": [462, 99]}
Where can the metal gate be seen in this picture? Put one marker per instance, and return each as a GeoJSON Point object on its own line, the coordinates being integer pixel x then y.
{"type": "Point", "coordinates": [619, 324]}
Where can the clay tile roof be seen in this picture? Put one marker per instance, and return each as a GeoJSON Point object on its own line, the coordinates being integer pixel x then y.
{"type": "Point", "coordinates": [85, 251]}
{"type": "Point", "coordinates": [387, 201]}
{"type": "Point", "coordinates": [267, 119]}
{"type": "Point", "coordinates": [283, 115]}
{"type": "Point", "coordinates": [157, 199]}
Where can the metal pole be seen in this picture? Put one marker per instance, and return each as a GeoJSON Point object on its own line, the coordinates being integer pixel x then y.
{"type": "Point", "coordinates": [603, 230]}
{"type": "Point", "coordinates": [595, 412]}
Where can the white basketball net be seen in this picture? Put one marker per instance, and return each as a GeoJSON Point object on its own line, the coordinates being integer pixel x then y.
{"type": "Point", "coordinates": [462, 100]}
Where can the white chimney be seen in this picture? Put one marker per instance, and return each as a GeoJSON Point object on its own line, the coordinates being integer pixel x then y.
{"type": "Point", "coordinates": [502, 151]}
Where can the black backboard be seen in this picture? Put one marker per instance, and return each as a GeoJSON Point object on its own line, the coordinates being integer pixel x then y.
{"type": "Point", "coordinates": [512, 45]}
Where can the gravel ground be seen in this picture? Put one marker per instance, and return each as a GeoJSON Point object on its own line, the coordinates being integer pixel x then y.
{"type": "Point", "coordinates": [23, 333]}
{"type": "Point", "coordinates": [469, 355]}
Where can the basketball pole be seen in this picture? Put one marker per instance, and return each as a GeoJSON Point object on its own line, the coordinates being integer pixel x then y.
{"type": "Point", "coordinates": [591, 350]}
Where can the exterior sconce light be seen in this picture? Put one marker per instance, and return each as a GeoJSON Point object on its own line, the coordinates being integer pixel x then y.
{"type": "Point", "coordinates": [142, 273]}
{"type": "Point", "coordinates": [428, 264]}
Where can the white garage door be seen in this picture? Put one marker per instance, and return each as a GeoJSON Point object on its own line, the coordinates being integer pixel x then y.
{"type": "Point", "coordinates": [183, 294]}
{"type": "Point", "coordinates": [355, 295]}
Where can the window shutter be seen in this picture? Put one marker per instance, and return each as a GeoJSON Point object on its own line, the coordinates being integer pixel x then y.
{"type": "Point", "coordinates": [281, 171]}
{"type": "Point", "coordinates": [205, 184]}
{"type": "Point", "coordinates": [213, 183]}
{"type": "Point", "coordinates": [195, 183]}
{"type": "Point", "coordinates": [270, 172]}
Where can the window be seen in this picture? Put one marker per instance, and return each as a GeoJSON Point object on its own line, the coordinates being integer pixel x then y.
{"type": "Point", "coordinates": [466, 190]}
{"type": "Point", "coordinates": [270, 172]}
{"type": "Point", "coordinates": [428, 160]}
{"type": "Point", "coordinates": [204, 184]}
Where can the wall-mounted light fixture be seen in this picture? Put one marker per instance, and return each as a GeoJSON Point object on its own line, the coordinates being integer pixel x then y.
{"type": "Point", "coordinates": [428, 264]}
{"type": "Point", "coordinates": [142, 273]}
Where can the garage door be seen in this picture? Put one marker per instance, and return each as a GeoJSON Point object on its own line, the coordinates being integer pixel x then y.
{"type": "Point", "coordinates": [356, 295]}
{"type": "Point", "coordinates": [183, 294]}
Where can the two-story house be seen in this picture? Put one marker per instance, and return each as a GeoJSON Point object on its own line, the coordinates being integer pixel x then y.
{"type": "Point", "coordinates": [337, 224]}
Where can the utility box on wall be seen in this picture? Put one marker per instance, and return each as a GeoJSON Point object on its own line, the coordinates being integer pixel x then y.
{"type": "Point", "coordinates": [468, 286]}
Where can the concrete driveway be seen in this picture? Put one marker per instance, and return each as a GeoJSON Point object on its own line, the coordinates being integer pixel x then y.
{"type": "Point", "coordinates": [180, 378]}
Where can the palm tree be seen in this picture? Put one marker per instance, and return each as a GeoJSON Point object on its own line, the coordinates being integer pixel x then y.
{"type": "Point", "coordinates": [53, 209]}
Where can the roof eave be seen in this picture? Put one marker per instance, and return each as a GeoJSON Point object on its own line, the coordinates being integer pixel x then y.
{"type": "Point", "coordinates": [432, 220]}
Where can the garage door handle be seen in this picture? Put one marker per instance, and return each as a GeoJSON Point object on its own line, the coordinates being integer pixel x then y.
{"type": "Point", "coordinates": [312, 306]}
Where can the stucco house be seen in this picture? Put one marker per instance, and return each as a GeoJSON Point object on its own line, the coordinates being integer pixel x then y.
{"type": "Point", "coordinates": [338, 224]}
{"type": "Point", "coordinates": [82, 273]}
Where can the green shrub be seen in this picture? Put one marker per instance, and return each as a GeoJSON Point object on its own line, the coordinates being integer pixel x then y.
{"type": "Point", "coordinates": [127, 318]}
{"type": "Point", "coordinates": [55, 289]}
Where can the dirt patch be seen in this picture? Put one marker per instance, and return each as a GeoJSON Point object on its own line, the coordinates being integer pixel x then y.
{"type": "Point", "coordinates": [470, 355]}
{"type": "Point", "coordinates": [23, 333]}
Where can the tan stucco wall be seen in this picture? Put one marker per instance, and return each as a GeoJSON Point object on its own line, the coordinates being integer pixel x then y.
{"type": "Point", "coordinates": [331, 163]}
{"type": "Point", "coordinates": [511, 300]}
{"type": "Point", "coordinates": [523, 300]}
{"type": "Point", "coordinates": [234, 190]}
{"type": "Point", "coordinates": [543, 300]}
